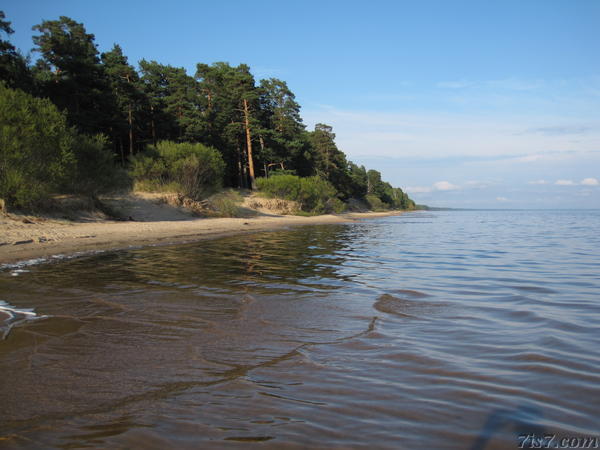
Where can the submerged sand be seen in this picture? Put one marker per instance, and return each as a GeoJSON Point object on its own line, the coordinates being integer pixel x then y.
{"type": "Point", "coordinates": [26, 237]}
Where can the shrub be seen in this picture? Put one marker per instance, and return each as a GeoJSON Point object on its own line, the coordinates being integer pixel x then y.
{"type": "Point", "coordinates": [193, 169]}
{"type": "Point", "coordinates": [96, 170]}
{"type": "Point", "coordinates": [41, 155]}
{"type": "Point", "coordinates": [284, 186]}
{"type": "Point", "coordinates": [314, 194]}
{"type": "Point", "coordinates": [148, 167]}
{"type": "Point", "coordinates": [225, 204]}
{"type": "Point", "coordinates": [335, 205]}
{"type": "Point", "coordinates": [36, 155]}
{"type": "Point", "coordinates": [375, 203]}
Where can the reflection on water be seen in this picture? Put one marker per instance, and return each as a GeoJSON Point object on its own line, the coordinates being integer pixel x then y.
{"type": "Point", "coordinates": [428, 330]}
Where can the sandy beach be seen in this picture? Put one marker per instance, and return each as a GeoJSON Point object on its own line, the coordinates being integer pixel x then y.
{"type": "Point", "coordinates": [28, 237]}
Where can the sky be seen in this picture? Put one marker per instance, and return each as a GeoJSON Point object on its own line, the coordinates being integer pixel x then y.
{"type": "Point", "coordinates": [463, 104]}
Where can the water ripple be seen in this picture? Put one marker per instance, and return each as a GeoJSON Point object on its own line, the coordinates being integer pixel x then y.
{"type": "Point", "coordinates": [461, 331]}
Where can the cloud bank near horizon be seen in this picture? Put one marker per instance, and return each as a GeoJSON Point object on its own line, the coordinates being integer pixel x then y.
{"type": "Point", "coordinates": [522, 139]}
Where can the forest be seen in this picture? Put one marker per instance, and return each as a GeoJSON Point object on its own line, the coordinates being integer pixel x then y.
{"type": "Point", "coordinates": [75, 120]}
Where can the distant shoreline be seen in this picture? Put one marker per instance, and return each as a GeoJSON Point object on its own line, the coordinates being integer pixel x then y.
{"type": "Point", "coordinates": [45, 239]}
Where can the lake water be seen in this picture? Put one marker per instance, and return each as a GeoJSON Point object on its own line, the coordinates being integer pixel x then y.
{"type": "Point", "coordinates": [453, 329]}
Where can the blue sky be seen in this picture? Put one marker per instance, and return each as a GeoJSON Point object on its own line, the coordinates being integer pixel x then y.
{"type": "Point", "coordinates": [464, 104]}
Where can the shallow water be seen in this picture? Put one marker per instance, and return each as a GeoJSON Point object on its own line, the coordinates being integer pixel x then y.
{"type": "Point", "coordinates": [428, 330]}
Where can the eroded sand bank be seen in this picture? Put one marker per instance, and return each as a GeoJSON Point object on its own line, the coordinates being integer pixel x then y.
{"type": "Point", "coordinates": [24, 238]}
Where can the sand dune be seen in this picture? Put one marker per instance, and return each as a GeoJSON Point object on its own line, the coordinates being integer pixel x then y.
{"type": "Point", "coordinates": [27, 237]}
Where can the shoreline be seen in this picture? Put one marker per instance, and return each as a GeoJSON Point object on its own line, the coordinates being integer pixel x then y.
{"type": "Point", "coordinates": [48, 238]}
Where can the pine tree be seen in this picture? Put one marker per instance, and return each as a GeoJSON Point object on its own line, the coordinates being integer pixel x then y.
{"type": "Point", "coordinates": [282, 135]}
{"type": "Point", "coordinates": [13, 67]}
{"type": "Point", "coordinates": [232, 116]}
{"type": "Point", "coordinates": [127, 89]}
{"type": "Point", "coordinates": [71, 75]}
{"type": "Point", "coordinates": [175, 103]}
{"type": "Point", "coordinates": [331, 163]}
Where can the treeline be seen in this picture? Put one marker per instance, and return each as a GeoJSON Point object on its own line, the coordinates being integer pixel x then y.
{"type": "Point", "coordinates": [115, 117]}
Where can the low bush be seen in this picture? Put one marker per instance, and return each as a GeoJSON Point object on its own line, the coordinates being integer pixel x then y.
{"type": "Point", "coordinates": [41, 155]}
{"type": "Point", "coordinates": [192, 169]}
{"type": "Point", "coordinates": [225, 204]}
{"type": "Point", "coordinates": [222, 204]}
{"type": "Point", "coordinates": [283, 186]}
{"type": "Point", "coordinates": [273, 205]}
{"type": "Point", "coordinates": [357, 205]}
{"type": "Point", "coordinates": [96, 171]}
{"type": "Point", "coordinates": [156, 185]}
{"type": "Point", "coordinates": [314, 194]}
{"type": "Point", "coordinates": [335, 205]}
{"type": "Point", "coordinates": [36, 155]}
{"type": "Point", "coordinates": [375, 203]}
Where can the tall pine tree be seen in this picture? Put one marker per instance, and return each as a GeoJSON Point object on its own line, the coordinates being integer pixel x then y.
{"type": "Point", "coordinates": [13, 67]}
{"type": "Point", "coordinates": [127, 89]}
{"type": "Point", "coordinates": [71, 75]}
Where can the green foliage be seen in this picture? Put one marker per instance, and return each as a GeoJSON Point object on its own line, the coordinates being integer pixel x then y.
{"type": "Point", "coordinates": [40, 154]}
{"type": "Point", "coordinates": [226, 203]}
{"type": "Point", "coordinates": [70, 74]}
{"type": "Point", "coordinates": [358, 181]}
{"type": "Point", "coordinates": [330, 162]}
{"type": "Point", "coordinates": [195, 169]}
{"type": "Point", "coordinates": [13, 67]}
{"type": "Point", "coordinates": [96, 171]}
{"type": "Point", "coordinates": [175, 102]}
{"type": "Point", "coordinates": [382, 195]}
{"type": "Point", "coordinates": [36, 156]}
{"type": "Point", "coordinates": [227, 91]}
{"type": "Point", "coordinates": [375, 203]}
{"type": "Point", "coordinates": [335, 205]}
{"type": "Point", "coordinates": [281, 111]}
{"type": "Point", "coordinates": [221, 106]}
{"type": "Point", "coordinates": [283, 186]}
{"type": "Point", "coordinates": [131, 102]}
{"type": "Point", "coordinates": [314, 194]}
{"type": "Point", "coordinates": [149, 167]}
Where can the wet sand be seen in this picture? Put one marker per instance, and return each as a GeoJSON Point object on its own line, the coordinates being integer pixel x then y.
{"type": "Point", "coordinates": [42, 238]}
{"type": "Point", "coordinates": [24, 238]}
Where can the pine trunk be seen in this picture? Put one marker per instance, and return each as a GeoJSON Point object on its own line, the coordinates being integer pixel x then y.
{"type": "Point", "coordinates": [240, 170]}
{"type": "Point", "coordinates": [153, 126]}
{"type": "Point", "coordinates": [130, 120]}
{"type": "Point", "coordinates": [249, 146]}
{"type": "Point", "coordinates": [122, 152]}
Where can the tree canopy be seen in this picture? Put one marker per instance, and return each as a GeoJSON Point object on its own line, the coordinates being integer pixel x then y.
{"type": "Point", "coordinates": [255, 126]}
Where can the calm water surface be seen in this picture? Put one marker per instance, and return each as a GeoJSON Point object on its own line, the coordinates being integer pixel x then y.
{"type": "Point", "coordinates": [427, 330]}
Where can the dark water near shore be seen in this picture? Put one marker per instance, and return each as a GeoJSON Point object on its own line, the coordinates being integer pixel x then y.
{"type": "Point", "coordinates": [427, 330]}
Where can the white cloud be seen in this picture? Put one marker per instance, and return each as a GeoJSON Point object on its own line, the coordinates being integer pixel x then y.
{"type": "Point", "coordinates": [437, 186]}
{"type": "Point", "coordinates": [501, 199]}
{"type": "Point", "coordinates": [444, 186]}
{"type": "Point", "coordinates": [590, 182]}
{"type": "Point", "coordinates": [528, 158]}
{"type": "Point", "coordinates": [537, 182]}
{"type": "Point", "coordinates": [584, 182]}
{"type": "Point", "coordinates": [363, 133]}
